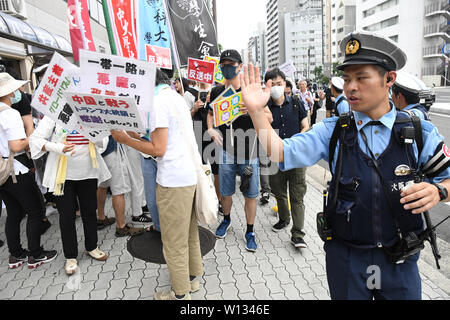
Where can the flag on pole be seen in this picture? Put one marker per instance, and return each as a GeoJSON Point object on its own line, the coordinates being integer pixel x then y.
{"type": "Point", "coordinates": [120, 22]}
{"type": "Point", "coordinates": [152, 26]}
{"type": "Point", "coordinates": [193, 29]}
{"type": "Point", "coordinates": [79, 26]}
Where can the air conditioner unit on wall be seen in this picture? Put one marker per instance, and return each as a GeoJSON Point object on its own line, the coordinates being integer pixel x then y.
{"type": "Point", "coordinates": [16, 8]}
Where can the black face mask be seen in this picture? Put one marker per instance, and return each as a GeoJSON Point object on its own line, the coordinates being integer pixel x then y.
{"type": "Point", "coordinates": [229, 71]}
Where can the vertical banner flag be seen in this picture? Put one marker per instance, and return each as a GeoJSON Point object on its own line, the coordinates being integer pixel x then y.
{"type": "Point", "coordinates": [119, 16]}
{"type": "Point", "coordinates": [80, 27]}
{"type": "Point", "coordinates": [110, 75]}
{"type": "Point", "coordinates": [193, 29]}
{"type": "Point", "coordinates": [152, 26]}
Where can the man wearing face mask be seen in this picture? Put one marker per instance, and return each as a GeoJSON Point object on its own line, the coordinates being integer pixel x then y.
{"type": "Point", "coordinates": [239, 153]}
{"type": "Point", "coordinates": [289, 117]}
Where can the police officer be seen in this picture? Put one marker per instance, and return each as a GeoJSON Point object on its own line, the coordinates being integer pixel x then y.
{"type": "Point", "coordinates": [369, 206]}
{"type": "Point", "coordinates": [337, 90]}
{"type": "Point", "coordinates": [406, 94]}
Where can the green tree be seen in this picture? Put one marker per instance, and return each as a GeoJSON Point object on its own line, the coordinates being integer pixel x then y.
{"type": "Point", "coordinates": [336, 72]}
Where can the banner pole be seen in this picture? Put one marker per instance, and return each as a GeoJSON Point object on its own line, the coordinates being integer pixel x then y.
{"type": "Point", "coordinates": [112, 42]}
{"type": "Point", "coordinates": [174, 44]}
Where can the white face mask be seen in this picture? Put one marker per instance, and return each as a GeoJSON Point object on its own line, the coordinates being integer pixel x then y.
{"type": "Point", "coordinates": [277, 92]}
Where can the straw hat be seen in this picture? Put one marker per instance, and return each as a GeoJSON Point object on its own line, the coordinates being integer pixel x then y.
{"type": "Point", "coordinates": [8, 84]}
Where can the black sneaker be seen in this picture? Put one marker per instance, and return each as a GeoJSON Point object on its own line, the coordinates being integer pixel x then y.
{"type": "Point", "coordinates": [264, 198]}
{"type": "Point", "coordinates": [220, 209]}
{"type": "Point", "coordinates": [299, 243]}
{"type": "Point", "coordinates": [143, 218]}
{"type": "Point", "coordinates": [145, 210]}
{"type": "Point", "coordinates": [46, 256]}
{"type": "Point", "coordinates": [16, 262]}
{"type": "Point", "coordinates": [45, 225]}
{"type": "Point", "coordinates": [280, 226]}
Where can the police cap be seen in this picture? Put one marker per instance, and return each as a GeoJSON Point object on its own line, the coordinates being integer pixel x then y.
{"type": "Point", "coordinates": [364, 47]}
{"type": "Point", "coordinates": [410, 83]}
{"type": "Point", "coordinates": [338, 83]}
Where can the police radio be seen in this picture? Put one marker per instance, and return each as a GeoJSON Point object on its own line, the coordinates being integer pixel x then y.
{"type": "Point", "coordinates": [323, 225]}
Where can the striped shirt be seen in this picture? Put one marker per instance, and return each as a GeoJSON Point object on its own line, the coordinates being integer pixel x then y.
{"type": "Point", "coordinates": [77, 139]}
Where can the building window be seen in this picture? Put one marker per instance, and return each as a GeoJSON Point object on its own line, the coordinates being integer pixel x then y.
{"type": "Point", "coordinates": [381, 7]}
{"type": "Point", "coordinates": [382, 24]}
{"type": "Point", "coordinates": [96, 11]}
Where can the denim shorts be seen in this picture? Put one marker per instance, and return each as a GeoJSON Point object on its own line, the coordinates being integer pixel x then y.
{"type": "Point", "coordinates": [227, 176]}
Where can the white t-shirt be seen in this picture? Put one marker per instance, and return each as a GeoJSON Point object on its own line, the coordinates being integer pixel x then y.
{"type": "Point", "coordinates": [79, 167]}
{"type": "Point", "coordinates": [11, 128]}
{"type": "Point", "coordinates": [176, 169]}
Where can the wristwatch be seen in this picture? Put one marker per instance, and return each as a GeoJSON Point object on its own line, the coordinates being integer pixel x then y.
{"type": "Point", "coordinates": [443, 193]}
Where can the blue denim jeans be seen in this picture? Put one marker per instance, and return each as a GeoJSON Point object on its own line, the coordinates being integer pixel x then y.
{"type": "Point", "coordinates": [149, 170]}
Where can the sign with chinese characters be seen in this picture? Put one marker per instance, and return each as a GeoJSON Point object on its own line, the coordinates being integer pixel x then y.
{"type": "Point", "coordinates": [218, 76]}
{"type": "Point", "coordinates": [105, 112]}
{"type": "Point", "coordinates": [201, 71]}
{"type": "Point", "coordinates": [49, 98]}
{"type": "Point", "coordinates": [109, 75]}
{"type": "Point", "coordinates": [122, 21]}
{"type": "Point", "coordinates": [160, 56]}
{"type": "Point", "coordinates": [193, 29]}
{"type": "Point", "coordinates": [80, 27]}
{"type": "Point", "coordinates": [152, 26]}
{"type": "Point", "coordinates": [227, 110]}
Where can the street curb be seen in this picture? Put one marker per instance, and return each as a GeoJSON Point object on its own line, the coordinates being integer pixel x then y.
{"type": "Point", "coordinates": [442, 108]}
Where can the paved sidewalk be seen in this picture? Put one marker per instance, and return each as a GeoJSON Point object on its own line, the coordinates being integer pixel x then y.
{"type": "Point", "coordinates": [277, 271]}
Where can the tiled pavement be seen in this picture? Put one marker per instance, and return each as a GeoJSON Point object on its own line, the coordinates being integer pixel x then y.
{"type": "Point", "coordinates": [276, 271]}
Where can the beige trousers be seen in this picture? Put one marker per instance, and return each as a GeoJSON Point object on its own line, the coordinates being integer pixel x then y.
{"type": "Point", "coordinates": [179, 234]}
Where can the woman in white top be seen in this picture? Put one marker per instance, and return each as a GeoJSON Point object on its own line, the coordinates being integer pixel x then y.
{"type": "Point", "coordinates": [73, 170]}
{"type": "Point", "coordinates": [20, 192]}
{"type": "Point", "coordinates": [176, 184]}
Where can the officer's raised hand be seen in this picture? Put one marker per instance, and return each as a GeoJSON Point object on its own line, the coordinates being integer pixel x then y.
{"type": "Point", "coordinates": [255, 98]}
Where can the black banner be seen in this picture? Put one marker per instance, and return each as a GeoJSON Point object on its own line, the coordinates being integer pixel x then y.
{"type": "Point", "coordinates": [193, 29]}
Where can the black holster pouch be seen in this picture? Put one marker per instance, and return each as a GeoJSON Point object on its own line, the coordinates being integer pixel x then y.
{"type": "Point", "coordinates": [246, 178]}
{"type": "Point", "coordinates": [405, 248]}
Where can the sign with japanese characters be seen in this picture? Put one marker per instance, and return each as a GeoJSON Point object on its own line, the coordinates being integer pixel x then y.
{"type": "Point", "coordinates": [122, 21]}
{"type": "Point", "coordinates": [193, 29]}
{"type": "Point", "coordinates": [201, 71]}
{"type": "Point", "coordinates": [288, 69]}
{"type": "Point", "coordinates": [105, 112]}
{"type": "Point", "coordinates": [152, 26]}
{"type": "Point", "coordinates": [218, 76]}
{"type": "Point", "coordinates": [227, 110]}
{"type": "Point", "coordinates": [49, 98]}
{"type": "Point", "coordinates": [79, 26]}
{"type": "Point", "coordinates": [109, 75]}
{"type": "Point", "coordinates": [160, 56]}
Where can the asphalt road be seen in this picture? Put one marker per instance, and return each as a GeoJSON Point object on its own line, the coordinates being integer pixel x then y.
{"type": "Point", "coordinates": [441, 211]}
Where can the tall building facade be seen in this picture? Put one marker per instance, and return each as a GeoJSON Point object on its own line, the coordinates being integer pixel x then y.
{"type": "Point", "coordinates": [420, 27]}
{"type": "Point", "coordinates": [276, 10]}
{"type": "Point", "coordinates": [257, 48]}
{"type": "Point", "coordinates": [303, 38]}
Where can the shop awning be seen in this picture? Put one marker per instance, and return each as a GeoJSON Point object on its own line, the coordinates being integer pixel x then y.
{"type": "Point", "coordinates": [18, 30]}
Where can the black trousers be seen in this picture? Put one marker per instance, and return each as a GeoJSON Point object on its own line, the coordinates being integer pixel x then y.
{"type": "Point", "coordinates": [23, 198]}
{"type": "Point", "coordinates": [86, 193]}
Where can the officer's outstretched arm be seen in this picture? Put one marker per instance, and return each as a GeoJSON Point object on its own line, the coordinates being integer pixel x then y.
{"type": "Point", "coordinates": [255, 100]}
{"type": "Point", "coordinates": [423, 196]}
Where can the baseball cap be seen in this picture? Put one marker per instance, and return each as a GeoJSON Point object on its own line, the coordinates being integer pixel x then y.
{"type": "Point", "coordinates": [231, 55]}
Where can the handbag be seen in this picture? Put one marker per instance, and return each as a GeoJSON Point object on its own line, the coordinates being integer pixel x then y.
{"type": "Point", "coordinates": [206, 203]}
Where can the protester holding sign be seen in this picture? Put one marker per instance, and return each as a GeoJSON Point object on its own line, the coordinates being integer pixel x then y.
{"type": "Point", "coordinates": [73, 170]}
{"type": "Point", "coordinates": [20, 182]}
{"type": "Point", "coordinates": [171, 127]}
{"type": "Point", "coordinates": [239, 153]}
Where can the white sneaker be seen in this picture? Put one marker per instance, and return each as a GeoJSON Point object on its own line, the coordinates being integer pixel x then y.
{"type": "Point", "coordinates": [71, 266]}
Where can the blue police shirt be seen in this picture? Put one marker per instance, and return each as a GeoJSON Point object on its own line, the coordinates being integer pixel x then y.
{"type": "Point", "coordinates": [343, 106]}
{"type": "Point", "coordinates": [415, 111]}
{"type": "Point", "coordinates": [286, 118]}
{"type": "Point", "coordinates": [306, 149]}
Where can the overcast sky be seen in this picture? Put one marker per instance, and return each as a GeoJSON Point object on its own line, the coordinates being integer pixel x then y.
{"type": "Point", "coordinates": [237, 20]}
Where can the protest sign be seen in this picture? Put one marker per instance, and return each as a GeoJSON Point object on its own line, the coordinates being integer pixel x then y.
{"type": "Point", "coordinates": [152, 26]}
{"type": "Point", "coordinates": [227, 110]}
{"type": "Point", "coordinates": [288, 69]}
{"type": "Point", "coordinates": [218, 76]}
{"type": "Point", "coordinates": [201, 71]}
{"type": "Point", "coordinates": [120, 22]}
{"type": "Point", "coordinates": [192, 28]}
{"type": "Point", "coordinates": [228, 92]}
{"type": "Point", "coordinates": [160, 56]}
{"type": "Point", "coordinates": [105, 112]}
{"type": "Point", "coordinates": [49, 98]}
{"type": "Point", "coordinates": [117, 76]}
{"type": "Point", "coordinates": [79, 26]}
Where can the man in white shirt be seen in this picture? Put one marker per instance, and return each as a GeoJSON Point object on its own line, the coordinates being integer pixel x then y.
{"type": "Point", "coordinates": [306, 97]}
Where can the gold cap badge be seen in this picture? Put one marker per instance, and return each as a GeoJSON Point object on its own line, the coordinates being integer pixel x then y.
{"type": "Point", "coordinates": [352, 47]}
